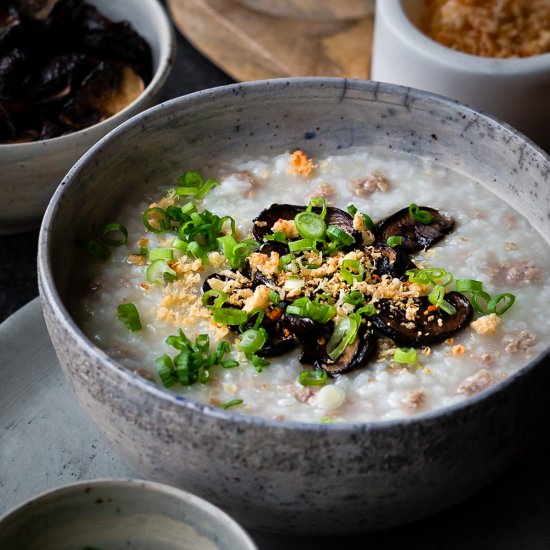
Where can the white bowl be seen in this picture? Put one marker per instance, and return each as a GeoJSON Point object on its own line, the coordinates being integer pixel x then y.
{"type": "Point", "coordinates": [30, 172]}
{"type": "Point", "coordinates": [515, 90]}
{"type": "Point", "coordinates": [121, 514]}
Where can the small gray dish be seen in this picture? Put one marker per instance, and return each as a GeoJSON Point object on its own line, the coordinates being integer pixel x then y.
{"type": "Point", "coordinates": [283, 475]}
{"type": "Point", "coordinates": [119, 514]}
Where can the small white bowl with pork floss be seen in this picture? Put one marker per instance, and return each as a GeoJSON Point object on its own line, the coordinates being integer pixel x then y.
{"type": "Point", "coordinates": [309, 357]}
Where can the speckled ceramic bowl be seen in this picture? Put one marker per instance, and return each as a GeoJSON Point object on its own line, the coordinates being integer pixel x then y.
{"type": "Point", "coordinates": [109, 514]}
{"type": "Point", "coordinates": [31, 171]}
{"type": "Point", "coordinates": [279, 475]}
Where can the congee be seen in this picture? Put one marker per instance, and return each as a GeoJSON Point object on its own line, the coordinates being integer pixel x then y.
{"type": "Point", "coordinates": [361, 286]}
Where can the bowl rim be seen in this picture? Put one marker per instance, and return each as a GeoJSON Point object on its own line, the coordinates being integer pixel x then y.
{"type": "Point", "coordinates": [49, 295]}
{"type": "Point", "coordinates": [143, 486]}
{"type": "Point", "coordinates": [167, 52]}
{"type": "Point", "coordinates": [394, 15]}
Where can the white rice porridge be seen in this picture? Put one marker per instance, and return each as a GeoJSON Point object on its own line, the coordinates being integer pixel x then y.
{"type": "Point", "coordinates": [490, 243]}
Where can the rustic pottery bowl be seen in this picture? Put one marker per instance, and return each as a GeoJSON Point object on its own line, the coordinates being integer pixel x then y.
{"type": "Point", "coordinates": [279, 475]}
{"type": "Point", "coordinates": [515, 90]}
{"type": "Point", "coordinates": [31, 171]}
{"type": "Point", "coordinates": [121, 514]}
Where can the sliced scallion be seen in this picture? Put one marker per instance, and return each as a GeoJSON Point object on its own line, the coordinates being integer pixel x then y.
{"type": "Point", "coordinates": [310, 225]}
{"type": "Point", "coordinates": [437, 298]}
{"type": "Point", "coordinates": [252, 340]}
{"type": "Point", "coordinates": [114, 234]}
{"type": "Point", "coordinates": [232, 403]}
{"type": "Point", "coordinates": [351, 271]}
{"type": "Point", "coordinates": [214, 299]}
{"type": "Point", "coordinates": [395, 240]}
{"type": "Point", "coordinates": [129, 316]}
{"type": "Point", "coordinates": [419, 215]}
{"type": "Point", "coordinates": [317, 377]}
{"type": "Point", "coordinates": [230, 316]}
{"type": "Point", "coordinates": [343, 335]}
{"type": "Point", "coordinates": [501, 303]}
{"type": "Point", "coordinates": [161, 254]}
{"type": "Point", "coordinates": [339, 236]}
{"type": "Point", "coordinates": [405, 355]}
{"type": "Point", "coordinates": [155, 220]}
{"type": "Point", "coordinates": [159, 272]}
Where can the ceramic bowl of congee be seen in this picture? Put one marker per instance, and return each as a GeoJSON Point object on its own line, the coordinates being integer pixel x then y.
{"type": "Point", "coordinates": [110, 513]}
{"type": "Point", "coordinates": [318, 303]}
{"type": "Point", "coordinates": [112, 63]}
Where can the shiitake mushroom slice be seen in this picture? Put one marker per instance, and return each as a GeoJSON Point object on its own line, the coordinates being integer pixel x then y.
{"type": "Point", "coordinates": [109, 88]}
{"type": "Point", "coordinates": [334, 216]}
{"type": "Point", "coordinates": [392, 261]}
{"type": "Point", "coordinates": [426, 328]}
{"type": "Point", "coordinates": [416, 235]}
{"type": "Point", "coordinates": [354, 355]}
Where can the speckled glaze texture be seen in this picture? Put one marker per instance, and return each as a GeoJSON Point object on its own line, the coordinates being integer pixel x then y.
{"type": "Point", "coordinates": [301, 478]}
{"type": "Point", "coordinates": [32, 171]}
{"type": "Point", "coordinates": [120, 514]}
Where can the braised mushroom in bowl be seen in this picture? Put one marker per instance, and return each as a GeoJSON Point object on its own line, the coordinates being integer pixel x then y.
{"type": "Point", "coordinates": [70, 71]}
{"type": "Point", "coordinates": [314, 287]}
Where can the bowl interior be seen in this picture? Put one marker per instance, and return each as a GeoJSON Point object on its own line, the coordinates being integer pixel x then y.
{"type": "Point", "coordinates": [120, 514]}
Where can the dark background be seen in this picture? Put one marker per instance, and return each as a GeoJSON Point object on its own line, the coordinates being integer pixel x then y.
{"type": "Point", "coordinates": [18, 284]}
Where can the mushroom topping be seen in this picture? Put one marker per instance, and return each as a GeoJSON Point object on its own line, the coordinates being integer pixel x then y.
{"type": "Point", "coordinates": [64, 66]}
{"type": "Point", "coordinates": [391, 261]}
{"type": "Point", "coordinates": [420, 227]}
{"type": "Point", "coordinates": [267, 218]}
{"type": "Point", "coordinates": [430, 323]}
{"type": "Point", "coordinates": [354, 355]}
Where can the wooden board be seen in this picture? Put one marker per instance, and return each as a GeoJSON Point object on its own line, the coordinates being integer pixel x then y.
{"type": "Point", "coordinates": [250, 45]}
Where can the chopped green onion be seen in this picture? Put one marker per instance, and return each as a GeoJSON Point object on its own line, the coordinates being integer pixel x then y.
{"type": "Point", "coordinates": [214, 299]}
{"type": "Point", "coordinates": [318, 201]}
{"type": "Point", "coordinates": [328, 420]}
{"type": "Point", "coordinates": [252, 340]}
{"type": "Point", "coordinates": [354, 298]}
{"type": "Point", "coordinates": [129, 316]}
{"type": "Point", "coordinates": [369, 310]}
{"type": "Point", "coordinates": [114, 234]}
{"type": "Point", "coordinates": [164, 366]}
{"type": "Point", "coordinates": [274, 297]}
{"type": "Point", "coordinates": [475, 301]}
{"type": "Point", "coordinates": [93, 247]}
{"type": "Point", "coordinates": [301, 244]}
{"type": "Point", "coordinates": [437, 297]}
{"type": "Point", "coordinates": [285, 260]}
{"type": "Point", "coordinates": [434, 275]}
{"type": "Point", "coordinates": [232, 403]}
{"type": "Point", "coordinates": [229, 364]}
{"type": "Point", "coordinates": [395, 240]}
{"type": "Point", "coordinates": [304, 307]}
{"type": "Point", "coordinates": [405, 355]}
{"type": "Point", "coordinates": [469, 285]}
{"type": "Point", "coordinates": [161, 254]}
{"type": "Point", "coordinates": [352, 209]}
{"type": "Point", "coordinates": [257, 362]}
{"type": "Point", "coordinates": [310, 225]}
{"type": "Point", "coordinates": [351, 271]}
{"type": "Point", "coordinates": [278, 236]}
{"type": "Point", "coordinates": [208, 184]}
{"type": "Point", "coordinates": [419, 215]}
{"type": "Point", "coordinates": [259, 314]}
{"type": "Point", "coordinates": [339, 236]}
{"type": "Point", "coordinates": [343, 335]}
{"type": "Point", "coordinates": [236, 253]}
{"type": "Point", "coordinates": [230, 316]}
{"type": "Point", "coordinates": [317, 377]}
{"type": "Point", "coordinates": [368, 221]}
{"type": "Point", "coordinates": [190, 179]}
{"type": "Point", "coordinates": [493, 305]}
{"type": "Point", "coordinates": [158, 216]}
{"type": "Point", "coordinates": [189, 208]}
{"type": "Point", "coordinates": [196, 251]}
{"type": "Point", "coordinates": [159, 272]}
{"type": "Point", "coordinates": [178, 244]}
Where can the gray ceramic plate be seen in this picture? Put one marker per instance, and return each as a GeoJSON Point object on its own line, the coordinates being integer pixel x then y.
{"type": "Point", "coordinates": [46, 441]}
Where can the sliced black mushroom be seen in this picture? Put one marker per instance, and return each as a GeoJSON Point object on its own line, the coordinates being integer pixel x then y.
{"type": "Point", "coordinates": [430, 325]}
{"type": "Point", "coordinates": [354, 355]}
{"type": "Point", "coordinates": [267, 218]}
{"type": "Point", "coordinates": [391, 261]}
{"type": "Point", "coordinates": [279, 340]}
{"type": "Point", "coordinates": [416, 235]}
